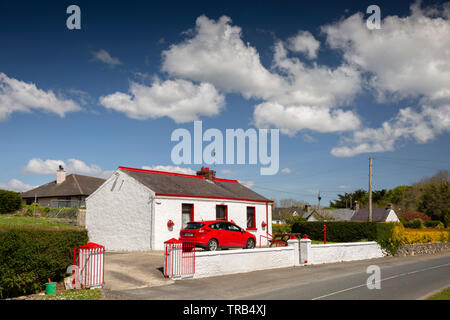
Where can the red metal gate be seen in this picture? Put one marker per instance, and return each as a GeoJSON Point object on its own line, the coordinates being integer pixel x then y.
{"type": "Point", "coordinates": [179, 258]}
{"type": "Point", "coordinates": [91, 265]}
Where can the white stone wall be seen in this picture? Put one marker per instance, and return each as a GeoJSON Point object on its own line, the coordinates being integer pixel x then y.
{"type": "Point", "coordinates": [169, 208]}
{"type": "Point", "coordinates": [218, 263]}
{"type": "Point", "coordinates": [338, 252]}
{"type": "Point", "coordinates": [118, 214]}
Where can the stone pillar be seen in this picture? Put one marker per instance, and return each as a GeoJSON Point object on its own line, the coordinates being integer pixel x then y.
{"type": "Point", "coordinates": [81, 218]}
{"type": "Point", "coordinates": [294, 243]}
{"type": "Point", "coordinates": [305, 250]}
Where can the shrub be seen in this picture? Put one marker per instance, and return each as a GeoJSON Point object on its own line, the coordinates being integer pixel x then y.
{"type": "Point", "coordinates": [414, 224]}
{"type": "Point", "coordinates": [281, 228]}
{"type": "Point", "coordinates": [30, 255]}
{"type": "Point", "coordinates": [408, 216]}
{"type": "Point", "coordinates": [337, 231]}
{"type": "Point", "coordinates": [9, 201]}
{"type": "Point", "coordinates": [434, 224]}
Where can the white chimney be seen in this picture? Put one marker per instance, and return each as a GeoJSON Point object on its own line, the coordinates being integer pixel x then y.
{"type": "Point", "coordinates": [60, 175]}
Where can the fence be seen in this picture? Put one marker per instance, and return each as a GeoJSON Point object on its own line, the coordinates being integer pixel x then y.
{"type": "Point", "coordinates": [67, 203]}
{"type": "Point", "coordinates": [179, 258]}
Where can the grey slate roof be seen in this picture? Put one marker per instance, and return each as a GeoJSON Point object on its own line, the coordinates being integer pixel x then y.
{"type": "Point", "coordinates": [167, 183]}
{"type": "Point", "coordinates": [341, 214]}
{"type": "Point", "coordinates": [276, 212]}
{"type": "Point", "coordinates": [74, 185]}
{"type": "Point", "coordinates": [378, 215]}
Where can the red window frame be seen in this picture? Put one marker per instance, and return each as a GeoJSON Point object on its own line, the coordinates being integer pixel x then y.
{"type": "Point", "coordinates": [226, 211]}
{"type": "Point", "coordinates": [254, 219]}
{"type": "Point", "coordinates": [192, 211]}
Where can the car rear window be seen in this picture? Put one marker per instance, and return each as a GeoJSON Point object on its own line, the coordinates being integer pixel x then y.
{"type": "Point", "coordinates": [194, 225]}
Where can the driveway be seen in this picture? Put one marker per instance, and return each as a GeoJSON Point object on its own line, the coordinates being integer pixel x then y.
{"type": "Point", "coordinates": [134, 270]}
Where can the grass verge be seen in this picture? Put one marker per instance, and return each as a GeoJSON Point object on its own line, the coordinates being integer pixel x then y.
{"type": "Point", "coordinates": [85, 294]}
{"type": "Point", "coordinates": [6, 220]}
{"type": "Point", "coordinates": [443, 295]}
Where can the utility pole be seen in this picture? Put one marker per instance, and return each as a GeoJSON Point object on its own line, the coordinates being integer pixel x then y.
{"type": "Point", "coordinates": [34, 207]}
{"type": "Point", "coordinates": [370, 189]}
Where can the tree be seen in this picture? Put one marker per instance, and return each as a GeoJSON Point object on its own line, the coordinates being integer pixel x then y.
{"type": "Point", "coordinates": [436, 200]}
{"type": "Point", "coordinates": [9, 201]}
{"type": "Point", "coordinates": [291, 203]}
{"type": "Point", "coordinates": [346, 200]}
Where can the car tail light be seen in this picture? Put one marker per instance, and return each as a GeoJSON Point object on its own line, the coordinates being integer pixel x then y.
{"type": "Point", "coordinates": [202, 230]}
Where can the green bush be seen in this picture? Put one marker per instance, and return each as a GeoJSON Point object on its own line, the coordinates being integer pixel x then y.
{"type": "Point", "coordinates": [31, 255]}
{"type": "Point", "coordinates": [350, 231]}
{"type": "Point", "coordinates": [9, 201]}
{"type": "Point", "coordinates": [281, 228]}
{"type": "Point", "coordinates": [414, 224]}
{"type": "Point", "coordinates": [337, 231]}
{"type": "Point", "coordinates": [434, 224]}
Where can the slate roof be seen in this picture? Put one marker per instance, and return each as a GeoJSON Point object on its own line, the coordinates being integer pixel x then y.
{"type": "Point", "coordinates": [74, 185]}
{"type": "Point", "coordinates": [378, 215]}
{"type": "Point", "coordinates": [276, 212]}
{"type": "Point", "coordinates": [167, 183]}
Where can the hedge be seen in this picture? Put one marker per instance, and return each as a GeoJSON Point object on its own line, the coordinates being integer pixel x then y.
{"type": "Point", "coordinates": [31, 255]}
{"type": "Point", "coordinates": [9, 201]}
{"type": "Point", "coordinates": [350, 231]}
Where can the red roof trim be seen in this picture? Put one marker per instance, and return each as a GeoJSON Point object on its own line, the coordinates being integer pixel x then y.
{"type": "Point", "coordinates": [162, 172]}
{"type": "Point", "coordinates": [226, 180]}
{"type": "Point", "coordinates": [209, 197]}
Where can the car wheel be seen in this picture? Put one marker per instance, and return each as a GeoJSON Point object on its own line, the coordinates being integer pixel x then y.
{"type": "Point", "coordinates": [250, 244]}
{"type": "Point", "coordinates": [212, 245]}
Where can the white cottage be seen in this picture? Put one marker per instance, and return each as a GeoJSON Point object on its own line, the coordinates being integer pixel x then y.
{"type": "Point", "coordinates": [137, 210]}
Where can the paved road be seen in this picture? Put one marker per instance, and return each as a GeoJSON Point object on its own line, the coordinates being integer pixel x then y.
{"type": "Point", "coordinates": [401, 278]}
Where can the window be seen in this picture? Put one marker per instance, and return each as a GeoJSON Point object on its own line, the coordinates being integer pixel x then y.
{"type": "Point", "coordinates": [232, 227]}
{"type": "Point", "coordinates": [194, 225]}
{"type": "Point", "coordinates": [187, 214]}
{"type": "Point", "coordinates": [221, 212]}
{"type": "Point", "coordinates": [251, 218]}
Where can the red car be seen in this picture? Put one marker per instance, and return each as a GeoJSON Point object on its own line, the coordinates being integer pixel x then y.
{"type": "Point", "coordinates": [215, 234]}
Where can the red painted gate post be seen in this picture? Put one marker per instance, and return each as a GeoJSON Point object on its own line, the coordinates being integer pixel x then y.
{"type": "Point", "coordinates": [74, 264]}
{"type": "Point", "coordinates": [324, 234]}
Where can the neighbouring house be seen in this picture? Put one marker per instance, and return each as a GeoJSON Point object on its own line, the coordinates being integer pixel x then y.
{"type": "Point", "coordinates": [276, 216]}
{"type": "Point", "coordinates": [331, 215]}
{"type": "Point", "coordinates": [138, 210]}
{"type": "Point", "coordinates": [65, 191]}
{"type": "Point", "coordinates": [378, 215]}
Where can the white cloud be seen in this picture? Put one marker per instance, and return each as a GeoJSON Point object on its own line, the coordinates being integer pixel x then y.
{"type": "Point", "coordinates": [16, 185]}
{"type": "Point", "coordinates": [343, 187]}
{"type": "Point", "coordinates": [216, 53]}
{"type": "Point", "coordinates": [291, 119]}
{"type": "Point", "coordinates": [175, 169]}
{"type": "Point", "coordinates": [421, 126]}
{"type": "Point", "coordinates": [304, 42]}
{"type": "Point", "coordinates": [248, 184]}
{"type": "Point", "coordinates": [286, 170]}
{"type": "Point", "coordinates": [180, 100]}
{"type": "Point", "coordinates": [49, 166]}
{"type": "Point", "coordinates": [409, 58]}
{"type": "Point", "coordinates": [103, 56]}
{"type": "Point", "coordinates": [226, 171]}
{"type": "Point", "coordinates": [19, 96]}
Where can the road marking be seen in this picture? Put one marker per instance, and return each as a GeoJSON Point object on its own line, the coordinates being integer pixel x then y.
{"type": "Point", "coordinates": [388, 278]}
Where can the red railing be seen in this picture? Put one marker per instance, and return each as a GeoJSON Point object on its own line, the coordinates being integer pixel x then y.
{"type": "Point", "coordinates": [272, 240]}
{"type": "Point", "coordinates": [179, 258]}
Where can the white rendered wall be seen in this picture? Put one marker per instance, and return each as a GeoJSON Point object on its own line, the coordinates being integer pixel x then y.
{"type": "Point", "coordinates": [218, 263]}
{"type": "Point", "coordinates": [169, 208]}
{"type": "Point", "coordinates": [118, 214]}
{"type": "Point", "coordinates": [328, 253]}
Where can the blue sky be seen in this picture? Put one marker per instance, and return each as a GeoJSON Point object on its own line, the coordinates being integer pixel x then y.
{"type": "Point", "coordinates": [106, 95]}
